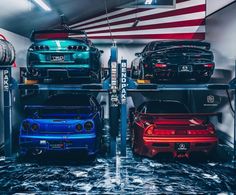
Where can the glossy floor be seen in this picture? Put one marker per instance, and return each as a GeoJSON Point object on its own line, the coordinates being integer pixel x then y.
{"type": "Point", "coordinates": [118, 175]}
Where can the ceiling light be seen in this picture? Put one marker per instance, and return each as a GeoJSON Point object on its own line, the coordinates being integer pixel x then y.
{"type": "Point", "coordinates": [43, 5]}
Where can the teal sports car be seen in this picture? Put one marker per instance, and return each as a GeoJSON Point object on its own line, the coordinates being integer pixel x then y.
{"type": "Point", "coordinates": [63, 55]}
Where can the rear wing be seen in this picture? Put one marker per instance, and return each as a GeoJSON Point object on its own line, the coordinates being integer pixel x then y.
{"type": "Point", "coordinates": [38, 110]}
{"type": "Point", "coordinates": [54, 107]}
{"type": "Point", "coordinates": [181, 115]}
{"type": "Point", "coordinates": [190, 44]}
{"type": "Point", "coordinates": [46, 34]}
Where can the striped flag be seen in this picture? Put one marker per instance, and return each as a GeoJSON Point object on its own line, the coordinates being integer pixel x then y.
{"type": "Point", "coordinates": [185, 21]}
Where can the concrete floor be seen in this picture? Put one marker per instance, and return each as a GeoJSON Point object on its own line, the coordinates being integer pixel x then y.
{"type": "Point", "coordinates": [130, 175]}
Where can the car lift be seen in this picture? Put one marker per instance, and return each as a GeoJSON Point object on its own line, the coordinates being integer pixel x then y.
{"type": "Point", "coordinates": [110, 85]}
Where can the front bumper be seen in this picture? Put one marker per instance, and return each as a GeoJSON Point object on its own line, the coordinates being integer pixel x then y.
{"type": "Point", "coordinates": [86, 142]}
{"type": "Point", "coordinates": [155, 145]}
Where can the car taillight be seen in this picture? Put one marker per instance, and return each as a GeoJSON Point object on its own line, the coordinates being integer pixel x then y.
{"type": "Point", "coordinates": [79, 127]}
{"type": "Point", "coordinates": [211, 129]}
{"type": "Point", "coordinates": [149, 130]}
{"type": "Point", "coordinates": [34, 127]}
{"type": "Point", "coordinates": [26, 125]}
{"type": "Point", "coordinates": [209, 65]}
{"type": "Point", "coordinates": [160, 65]}
{"type": "Point", "coordinates": [77, 48]}
{"type": "Point", "coordinates": [165, 132]}
{"type": "Point", "coordinates": [40, 47]}
{"type": "Point", "coordinates": [88, 125]}
{"type": "Point", "coordinates": [200, 132]}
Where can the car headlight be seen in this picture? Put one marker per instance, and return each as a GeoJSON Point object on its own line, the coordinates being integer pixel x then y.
{"type": "Point", "coordinates": [26, 125]}
{"type": "Point", "coordinates": [88, 125]}
{"type": "Point", "coordinates": [34, 127]}
{"type": "Point", "coordinates": [79, 127]}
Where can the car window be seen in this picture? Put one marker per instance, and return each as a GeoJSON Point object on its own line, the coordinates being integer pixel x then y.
{"type": "Point", "coordinates": [166, 107]}
{"type": "Point", "coordinates": [69, 100]}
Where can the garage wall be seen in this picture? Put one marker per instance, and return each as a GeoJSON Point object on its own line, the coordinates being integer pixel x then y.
{"type": "Point", "coordinates": [220, 32]}
{"type": "Point", "coordinates": [184, 21]}
{"type": "Point", "coordinates": [21, 45]}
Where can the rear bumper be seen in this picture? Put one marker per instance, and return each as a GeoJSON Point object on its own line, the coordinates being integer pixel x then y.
{"type": "Point", "coordinates": [172, 71]}
{"type": "Point", "coordinates": [154, 145]}
{"type": "Point", "coordinates": [59, 143]}
{"type": "Point", "coordinates": [59, 72]}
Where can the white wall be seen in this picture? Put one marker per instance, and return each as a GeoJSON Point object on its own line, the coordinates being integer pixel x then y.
{"type": "Point", "coordinates": [214, 5]}
{"type": "Point", "coordinates": [221, 33]}
{"type": "Point", "coordinates": [124, 51]}
{"type": "Point", "coordinates": [21, 45]}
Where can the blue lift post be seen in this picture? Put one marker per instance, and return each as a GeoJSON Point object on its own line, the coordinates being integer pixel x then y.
{"type": "Point", "coordinates": [113, 100]}
{"type": "Point", "coordinates": [123, 98]}
{"type": "Point", "coordinates": [234, 157]}
{"type": "Point", "coordinates": [7, 101]}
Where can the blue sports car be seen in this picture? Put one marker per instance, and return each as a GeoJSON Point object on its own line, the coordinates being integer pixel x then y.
{"type": "Point", "coordinates": [66, 122]}
{"type": "Point", "coordinates": [63, 55]}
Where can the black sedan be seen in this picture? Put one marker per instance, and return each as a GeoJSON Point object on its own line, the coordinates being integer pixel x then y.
{"type": "Point", "coordinates": [175, 60]}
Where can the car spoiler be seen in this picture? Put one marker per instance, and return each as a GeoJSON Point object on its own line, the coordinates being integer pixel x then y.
{"type": "Point", "coordinates": [217, 114]}
{"type": "Point", "coordinates": [193, 44]}
{"type": "Point", "coordinates": [66, 33]}
{"type": "Point", "coordinates": [54, 107]}
{"type": "Point", "coordinates": [32, 109]}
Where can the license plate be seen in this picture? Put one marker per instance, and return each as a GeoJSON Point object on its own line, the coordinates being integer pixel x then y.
{"type": "Point", "coordinates": [185, 68]}
{"type": "Point", "coordinates": [181, 147]}
{"type": "Point", "coordinates": [56, 145]}
{"type": "Point", "coordinates": [57, 58]}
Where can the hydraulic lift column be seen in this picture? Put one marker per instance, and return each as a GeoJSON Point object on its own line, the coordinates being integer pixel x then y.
{"type": "Point", "coordinates": [113, 101]}
{"type": "Point", "coordinates": [123, 98]}
{"type": "Point", "coordinates": [7, 111]}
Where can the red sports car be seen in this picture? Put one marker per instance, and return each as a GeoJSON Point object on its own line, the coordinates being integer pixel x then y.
{"type": "Point", "coordinates": [168, 127]}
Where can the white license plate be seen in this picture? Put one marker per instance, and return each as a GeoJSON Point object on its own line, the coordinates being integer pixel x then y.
{"type": "Point", "coordinates": [57, 58]}
{"type": "Point", "coordinates": [185, 68]}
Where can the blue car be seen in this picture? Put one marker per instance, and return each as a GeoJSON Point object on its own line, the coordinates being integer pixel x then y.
{"type": "Point", "coordinates": [66, 122]}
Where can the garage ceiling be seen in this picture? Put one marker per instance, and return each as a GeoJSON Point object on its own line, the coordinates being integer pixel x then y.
{"type": "Point", "coordinates": [22, 16]}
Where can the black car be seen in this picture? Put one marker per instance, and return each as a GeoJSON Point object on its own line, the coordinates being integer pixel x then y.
{"type": "Point", "coordinates": [174, 60]}
{"type": "Point", "coordinates": [63, 55]}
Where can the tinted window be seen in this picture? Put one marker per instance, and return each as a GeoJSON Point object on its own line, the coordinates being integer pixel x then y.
{"type": "Point", "coordinates": [68, 100]}
{"type": "Point", "coordinates": [166, 107]}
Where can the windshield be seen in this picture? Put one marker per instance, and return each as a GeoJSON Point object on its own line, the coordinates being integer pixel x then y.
{"type": "Point", "coordinates": [63, 106]}
{"type": "Point", "coordinates": [69, 100]}
{"type": "Point", "coordinates": [165, 107]}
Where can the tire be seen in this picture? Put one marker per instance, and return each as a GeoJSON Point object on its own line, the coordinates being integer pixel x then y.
{"type": "Point", "coordinates": [7, 53]}
{"type": "Point", "coordinates": [97, 78]}
{"type": "Point", "coordinates": [141, 73]}
{"type": "Point", "coordinates": [132, 75]}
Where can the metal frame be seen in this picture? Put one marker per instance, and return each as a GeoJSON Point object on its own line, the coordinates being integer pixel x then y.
{"type": "Point", "coordinates": [7, 104]}
{"type": "Point", "coordinates": [133, 86]}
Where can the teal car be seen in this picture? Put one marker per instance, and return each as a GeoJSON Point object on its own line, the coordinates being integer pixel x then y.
{"type": "Point", "coordinates": [63, 55]}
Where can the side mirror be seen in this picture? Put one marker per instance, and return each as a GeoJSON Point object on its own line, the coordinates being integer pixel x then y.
{"type": "Point", "coordinates": [103, 103]}
{"type": "Point", "coordinates": [101, 51]}
{"type": "Point", "coordinates": [137, 54]}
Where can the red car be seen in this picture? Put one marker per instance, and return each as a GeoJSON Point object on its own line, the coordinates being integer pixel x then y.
{"type": "Point", "coordinates": [168, 127]}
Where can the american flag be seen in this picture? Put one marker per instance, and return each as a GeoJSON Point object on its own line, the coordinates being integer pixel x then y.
{"type": "Point", "coordinates": [184, 21]}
